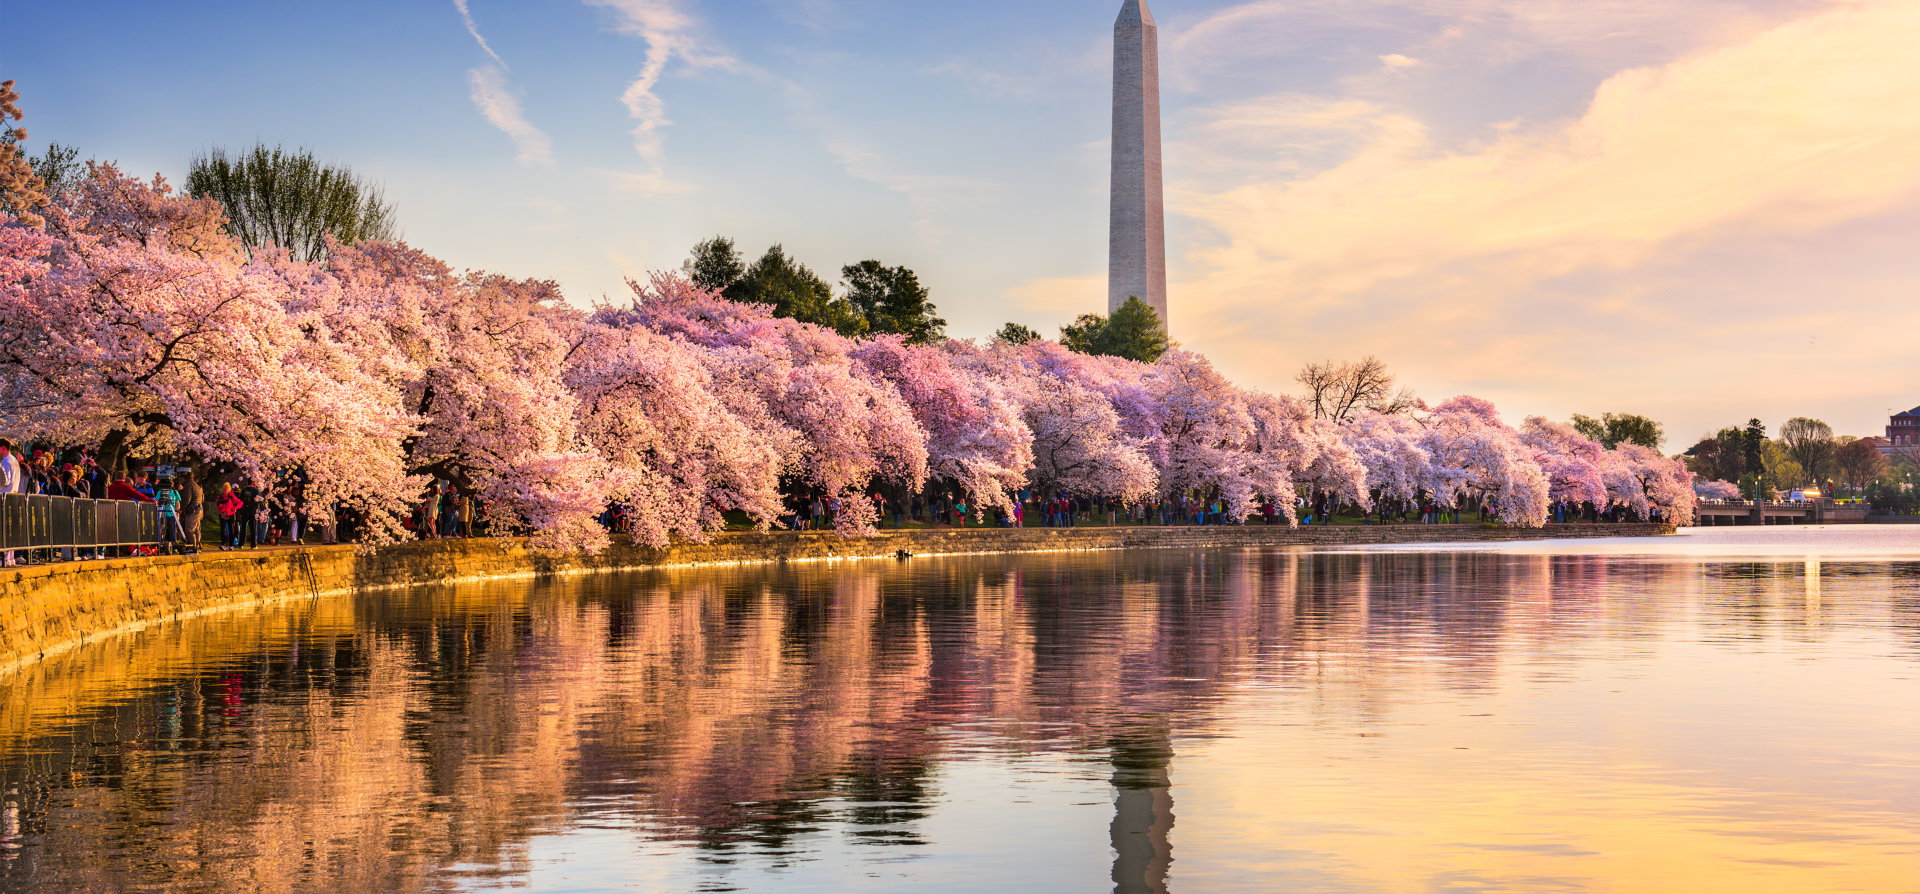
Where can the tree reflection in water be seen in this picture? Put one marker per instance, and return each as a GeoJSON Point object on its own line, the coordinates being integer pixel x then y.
{"type": "Point", "coordinates": [427, 741]}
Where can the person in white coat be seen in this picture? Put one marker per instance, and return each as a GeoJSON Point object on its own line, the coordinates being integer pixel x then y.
{"type": "Point", "coordinates": [13, 480]}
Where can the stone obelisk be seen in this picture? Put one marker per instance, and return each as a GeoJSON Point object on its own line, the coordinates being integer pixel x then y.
{"type": "Point", "coordinates": [1137, 246]}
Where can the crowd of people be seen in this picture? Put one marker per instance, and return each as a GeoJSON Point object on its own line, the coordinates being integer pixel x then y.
{"type": "Point", "coordinates": [199, 509]}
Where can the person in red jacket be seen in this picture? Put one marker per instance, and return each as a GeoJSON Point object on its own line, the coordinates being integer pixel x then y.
{"type": "Point", "coordinates": [120, 489]}
{"type": "Point", "coordinates": [229, 506]}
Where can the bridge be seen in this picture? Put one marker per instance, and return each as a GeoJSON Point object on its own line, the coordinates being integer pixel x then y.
{"type": "Point", "coordinates": [1751, 512]}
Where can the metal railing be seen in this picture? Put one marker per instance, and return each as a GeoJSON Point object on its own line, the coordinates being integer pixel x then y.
{"type": "Point", "coordinates": [34, 522]}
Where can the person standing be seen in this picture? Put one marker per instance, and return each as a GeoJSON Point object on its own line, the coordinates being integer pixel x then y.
{"type": "Point", "coordinates": [193, 507]}
{"type": "Point", "coordinates": [172, 538]}
{"type": "Point", "coordinates": [74, 485]}
{"type": "Point", "coordinates": [229, 509]}
{"type": "Point", "coordinates": [430, 512]}
{"type": "Point", "coordinates": [10, 481]}
{"type": "Point", "coordinates": [123, 490]}
{"type": "Point", "coordinates": [250, 519]}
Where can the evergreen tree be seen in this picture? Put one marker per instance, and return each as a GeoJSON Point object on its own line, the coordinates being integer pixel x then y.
{"type": "Point", "coordinates": [1753, 445]}
{"type": "Point", "coordinates": [1134, 332]}
{"type": "Point", "coordinates": [716, 264]}
{"type": "Point", "coordinates": [1016, 334]}
{"type": "Point", "coordinates": [795, 291]}
{"type": "Point", "coordinates": [893, 302]}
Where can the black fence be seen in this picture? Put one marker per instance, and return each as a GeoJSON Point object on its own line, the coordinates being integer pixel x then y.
{"type": "Point", "coordinates": [41, 522]}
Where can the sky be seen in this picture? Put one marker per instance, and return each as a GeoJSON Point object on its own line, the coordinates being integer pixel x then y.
{"type": "Point", "coordinates": [1702, 211]}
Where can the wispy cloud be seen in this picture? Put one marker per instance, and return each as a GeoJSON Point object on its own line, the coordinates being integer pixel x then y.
{"type": "Point", "coordinates": [670, 33]}
{"type": "Point", "coordinates": [646, 183]}
{"type": "Point", "coordinates": [494, 97]}
{"type": "Point", "coordinates": [496, 101]}
{"type": "Point", "coordinates": [467, 18]}
{"type": "Point", "coordinates": [931, 196]}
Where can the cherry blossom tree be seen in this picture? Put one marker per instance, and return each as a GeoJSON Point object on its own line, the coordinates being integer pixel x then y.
{"type": "Point", "coordinates": [480, 359]}
{"type": "Point", "coordinates": [1572, 462]}
{"type": "Point", "coordinates": [1389, 447]}
{"type": "Point", "coordinates": [137, 329]}
{"type": "Point", "coordinates": [1078, 444]}
{"type": "Point", "coordinates": [1244, 447]}
{"type": "Point", "coordinates": [1476, 455]}
{"type": "Point", "coordinates": [1641, 480]}
{"type": "Point", "coordinates": [975, 433]}
{"type": "Point", "coordinates": [1312, 451]}
{"type": "Point", "coordinates": [1716, 490]}
{"type": "Point", "coordinates": [679, 458]}
{"type": "Point", "coordinates": [845, 431]}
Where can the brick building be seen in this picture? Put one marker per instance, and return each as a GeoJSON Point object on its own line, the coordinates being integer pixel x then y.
{"type": "Point", "coordinates": [1903, 431]}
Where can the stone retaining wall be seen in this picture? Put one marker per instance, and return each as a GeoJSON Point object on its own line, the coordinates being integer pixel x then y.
{"type": "Point", "coordinates": [46, 610]}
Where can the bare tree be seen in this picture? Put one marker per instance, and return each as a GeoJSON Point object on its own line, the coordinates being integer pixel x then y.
{"type": "Point", "coordinates": [1337, 390]}
{"type": "Point", "coordinates": [1860, 463]}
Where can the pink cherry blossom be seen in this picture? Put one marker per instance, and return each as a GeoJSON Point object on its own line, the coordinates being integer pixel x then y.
{"type": "Point", "coordinates": [1476, 455]}
{"type": "Point", "coordinates": [1390, 448]}
{"type": "Point", "coordinates": [848, 431]}
{"type": "Point", "coordinates": [975, 433]}
{"type": "Point", "coordinates": [1573, 463]}
{"type": "Point", "coordinates": [679, 457]}
{"type": "Point", "coordinates": [136, 324]}
{"type": "Point", "coordinates": [1716, 490]}
{"type": "Point", "coordinates": [141, 329]}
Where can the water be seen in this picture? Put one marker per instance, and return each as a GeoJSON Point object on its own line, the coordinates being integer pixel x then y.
{"type": "Point", "coordinates": [1731, 710]}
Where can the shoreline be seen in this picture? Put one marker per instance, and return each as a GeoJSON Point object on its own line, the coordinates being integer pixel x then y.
{"type": "Point", "coordinates": [48, 610]}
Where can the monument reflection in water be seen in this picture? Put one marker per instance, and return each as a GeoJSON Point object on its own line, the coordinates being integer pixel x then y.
{"type": "Point", "coordinates": [1128, 721]}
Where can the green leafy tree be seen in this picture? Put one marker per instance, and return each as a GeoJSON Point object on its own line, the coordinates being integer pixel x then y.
{"type": "Point", "coordinates": [1016, 334]}
{"type": "Point", "coordinates": [291, 200]}
{"type": "Point", "coordinates": [1614, 429]}
{"type": "Point", "coordinates": [1720, 457]}
{"type": "Point", "coordinates": [59, 168]}
{"type": "Point", "coordinates": [1782, 471]}
{"type": "Point", "coordinates": [716, 264]}
{"type": "Point", "coordinates": [1809, 442]}
{"type": "Point", "coordinates": [1083, 335]}
{"type": "Point", "coordinates": [893, 302]}
{"type": "Point", "coordinates": [797, 292]}
{"type": "Point", "coordinates": [1134, 332]}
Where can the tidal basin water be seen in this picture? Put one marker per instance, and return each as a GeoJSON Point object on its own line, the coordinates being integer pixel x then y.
{"type": "Point", "coordinates": [1731, 710]}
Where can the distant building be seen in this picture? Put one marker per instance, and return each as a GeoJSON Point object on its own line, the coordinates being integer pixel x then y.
{"type": "Point", "coordinates": [1903, 431]}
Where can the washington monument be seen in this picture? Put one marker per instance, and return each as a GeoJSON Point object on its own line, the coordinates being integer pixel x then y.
{"type": "Point", "coordinates": [1137, 246]}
